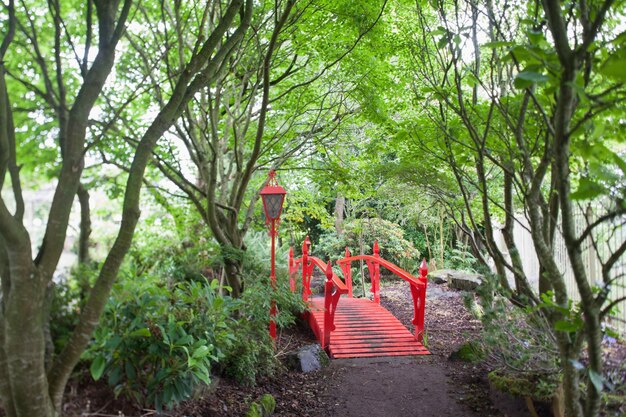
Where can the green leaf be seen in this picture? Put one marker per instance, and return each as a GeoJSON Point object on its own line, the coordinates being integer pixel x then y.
{"type": "Point", "coordinates": [97, 367]}
{"type": "Point", "coordinates": [130, 371]}
{"type": "Point", "coordinates": [443, 42]}
{"type": "Point", "coordinates": [471, 80]}
{"type": "Point", "coordinates": [567, 326]}
{"type": "Point", "coordinates": [201, 352]}
{"type": "Point", "coordinates": [531, 76]}
{"type": "Point", "coordinates": [597, 380]}
{"type": "Point", "coordinates": [202, 373]}
{"type": "Point", "coordinates": [144, 332]}
{"type": "Point", "coordinates": [535, 37]}
{"type": "Point", "coordinates": [115, 375]}
{"type": "Point", "coordinates": [587, 189]}
{"type": "Point", "coordinates": [615, 65]}
{"type": "Point", "coordinates": [498, 44]}
{"type": "Point", "coordinates": [620, 162]}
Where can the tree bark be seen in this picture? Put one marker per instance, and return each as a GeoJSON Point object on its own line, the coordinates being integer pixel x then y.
{"type": "Point", "coordinates": [85, 225]}
{"type": "Point", "coordinates": [232, 267]}
{"type": "Point", "coordinates": [340, 208]}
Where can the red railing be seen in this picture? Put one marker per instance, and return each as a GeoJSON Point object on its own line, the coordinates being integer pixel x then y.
{"type": "Point", "coordinates": [417, 284]}
{"type": "Point", "coordinates": [334, 287]}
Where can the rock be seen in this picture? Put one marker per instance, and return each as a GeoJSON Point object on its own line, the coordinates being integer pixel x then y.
{"type": "Point", "coordinates": [465, 281]}
{"type": "Point", "coordinates": [460, 280]}
{"type": "Point", "coordinates": [440, 276]}
{"type": "Point", "coordinates": [308, 358]}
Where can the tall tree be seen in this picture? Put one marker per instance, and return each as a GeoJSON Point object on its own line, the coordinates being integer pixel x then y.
{"type": "Point", "coordinates": [28, 385]}
{"type": "Point", "coordinates": [519, 132]}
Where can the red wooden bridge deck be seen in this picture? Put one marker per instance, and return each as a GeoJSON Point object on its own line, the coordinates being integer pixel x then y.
{"type": "Point", "coordinates": [348, 327]}
{"type": "Point", "coordinates": [364, 329]}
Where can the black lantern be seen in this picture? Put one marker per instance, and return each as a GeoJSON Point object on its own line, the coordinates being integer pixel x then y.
{"type": "Point", "coordinates": [273, 196]}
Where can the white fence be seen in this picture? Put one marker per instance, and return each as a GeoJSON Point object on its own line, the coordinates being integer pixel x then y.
{"type": "Point", "coordinates": [607, 236]}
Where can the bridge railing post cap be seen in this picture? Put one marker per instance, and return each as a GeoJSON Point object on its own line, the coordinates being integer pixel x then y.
{"type": "Point", "coordinates": [423, 268]}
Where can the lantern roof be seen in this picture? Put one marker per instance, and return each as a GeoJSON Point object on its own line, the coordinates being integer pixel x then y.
{"type": "Point", "coordinates": [271, 186]}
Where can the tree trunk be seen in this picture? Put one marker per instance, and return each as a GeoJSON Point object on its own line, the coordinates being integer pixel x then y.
{"type": "Point", "coordinates": [441, 240]}
{"type": "Point", "coordinates": [85, 225]}
{"type": "Point", "coordinates": [233, 275]}
{"type": "Point", "coordinates": [570, 382]}
{"type": "Point", "coordinates": [340, 207]}
{"type": "Point", "coordinates": [23, 339]}
{"type": "Point", "coordinates": [430, 252]}
{"type": "Point", "coordinates": [5, 388]}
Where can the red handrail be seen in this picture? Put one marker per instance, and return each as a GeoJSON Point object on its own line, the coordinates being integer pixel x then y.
{"type": "Point", "coordinates": [334, 287]}
{"type": "Point", "coordinates": [417, 284]}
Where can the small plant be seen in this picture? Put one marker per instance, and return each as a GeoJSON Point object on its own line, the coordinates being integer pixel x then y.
{"type": "Point", "coordinates": [461, 258]}
{"type": "Point", "coordinates": [252, 355]}
{"type": "Point", "coordinates": [264, 408]}
{"type": "Point", "coordinates": [468, 352]}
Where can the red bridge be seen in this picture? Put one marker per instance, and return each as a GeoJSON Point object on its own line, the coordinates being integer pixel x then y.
{"type": "Point", "coordinates": [349, 327]}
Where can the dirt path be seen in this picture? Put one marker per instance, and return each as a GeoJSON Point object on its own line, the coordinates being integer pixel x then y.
{"type": "Point", "coordinates": [400, 387]}
{"type": "Point", "coordinates": [413, 386]}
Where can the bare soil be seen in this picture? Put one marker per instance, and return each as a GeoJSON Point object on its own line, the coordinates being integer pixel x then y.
{"type": "Point", "coordinates": [432, 385]}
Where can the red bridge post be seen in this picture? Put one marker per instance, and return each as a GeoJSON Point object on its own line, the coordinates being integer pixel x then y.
{"type": "Point", "coordinates": [419, 302]}
{"type": "Point", "coordinates": [307, 270]}
{"type": "Point", "coordinates": [331, 298]}
{"type": "Point", "coordinates": [347, 273]}
{"type": "Point", "coordinates": [375, 273]}
{"type": "Point", "coordinates": [293, 269]}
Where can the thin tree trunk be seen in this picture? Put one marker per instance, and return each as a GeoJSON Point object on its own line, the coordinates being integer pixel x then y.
{"type": "Point", "coordinates": [521, 283]}
{"type": "Point", "coordinates": [85, 225]}
{"type": "Point", "coordinates": [430, 252]}
{"type": "Point", "coordinates": [233, 275]}
{"type": "Point", "coordinates": [441, 239]}
{"type": "Point", "coordinates": [340, 206]}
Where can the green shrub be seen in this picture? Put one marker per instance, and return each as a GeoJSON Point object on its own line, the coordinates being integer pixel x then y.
{"type": "Point", "coordinates": [253, 355]}
{"type": "Point", "coordinates": [156, 343]}
{"type": "Point", "coordinates": [165, 330]}
{"type": "Point", "coordinates": [519, 345]}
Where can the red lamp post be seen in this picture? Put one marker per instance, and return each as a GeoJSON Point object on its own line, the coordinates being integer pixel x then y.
{"type": "Point", "coordinates": [273, 196]}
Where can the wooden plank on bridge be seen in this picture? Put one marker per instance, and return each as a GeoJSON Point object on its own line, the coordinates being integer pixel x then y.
{"type": "Point", "coordinates": [364, 329]}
